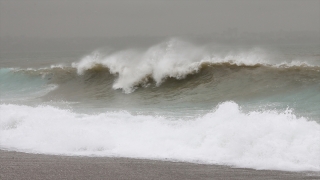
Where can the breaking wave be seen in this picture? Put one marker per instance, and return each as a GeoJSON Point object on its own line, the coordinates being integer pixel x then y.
{"type": "Point", "coordinates": [226, 135]}
{"type": "Point", "coordinates": [173, 59]}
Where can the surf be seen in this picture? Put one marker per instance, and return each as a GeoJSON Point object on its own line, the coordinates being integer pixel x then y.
{"type": "Point", "coordinates": [175, 59]}
{"type": "Point", "coordinates": [226, 136]}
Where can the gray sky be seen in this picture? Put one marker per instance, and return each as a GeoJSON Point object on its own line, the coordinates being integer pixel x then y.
{"type": "Point", "coordinates": [56, 18]}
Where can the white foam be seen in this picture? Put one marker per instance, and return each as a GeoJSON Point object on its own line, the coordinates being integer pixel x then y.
{"type": "Point", "coordinates": [174, 58]}
{"type": "Point", "coordinates": [170, 59]}
{"type": "Point", "coordinates": [259, 140]}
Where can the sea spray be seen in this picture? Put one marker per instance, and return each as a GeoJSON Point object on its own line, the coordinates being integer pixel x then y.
{"type": "Point", "coordinates": [172, 59]}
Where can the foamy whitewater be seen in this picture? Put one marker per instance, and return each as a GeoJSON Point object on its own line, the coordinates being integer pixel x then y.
{"type": "Point", "coordinates": [175, 101]}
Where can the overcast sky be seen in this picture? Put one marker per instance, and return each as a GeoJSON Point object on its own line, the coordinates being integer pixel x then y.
{"type": "Point", "coordinates": [77, 18]}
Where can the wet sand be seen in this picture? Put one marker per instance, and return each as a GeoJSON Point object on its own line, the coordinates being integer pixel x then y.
{"type": "Point", "coordinates": [17, 165]}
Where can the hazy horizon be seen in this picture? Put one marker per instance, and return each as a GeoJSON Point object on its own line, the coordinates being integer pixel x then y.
{"type": "Point", "coordinates": [88, 19]}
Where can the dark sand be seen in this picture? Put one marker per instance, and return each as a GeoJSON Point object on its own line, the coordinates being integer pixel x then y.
{"type": "Point", "coordinates": [16, 165]}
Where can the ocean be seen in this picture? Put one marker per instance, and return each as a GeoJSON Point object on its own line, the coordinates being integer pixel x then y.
{"type": "Point", "coordinates": [239, 105]}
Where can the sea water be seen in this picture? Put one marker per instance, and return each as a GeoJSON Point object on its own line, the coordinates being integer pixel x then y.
{"type": "Point", "coordinates": [244, 106]}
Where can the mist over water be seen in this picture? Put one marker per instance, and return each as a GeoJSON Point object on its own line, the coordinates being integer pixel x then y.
{"type": "Point", "coordinates": [241, 104]}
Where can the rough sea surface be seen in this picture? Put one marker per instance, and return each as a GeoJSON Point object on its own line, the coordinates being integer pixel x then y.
{"type": "Point", "coordinates": [253, 107]}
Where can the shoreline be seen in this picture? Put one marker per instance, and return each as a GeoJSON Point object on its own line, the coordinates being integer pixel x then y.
{"type": "Point", "coordinates": [19, 165]}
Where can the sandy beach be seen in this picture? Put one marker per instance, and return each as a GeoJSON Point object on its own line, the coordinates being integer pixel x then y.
{"type": "Point", "coordinates": [17, 165]}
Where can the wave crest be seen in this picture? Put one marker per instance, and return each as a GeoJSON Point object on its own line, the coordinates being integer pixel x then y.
{"type": "Point", "coordinates": [171, 59]}
{"type": "Point", "coordinates": [174, 59]}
